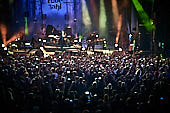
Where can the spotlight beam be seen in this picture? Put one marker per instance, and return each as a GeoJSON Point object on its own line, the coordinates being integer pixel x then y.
{"type": "Point", "coordinates": [102, 18]}
{"type": "Point", "coordinates": [115, 12]}
{"type": "Point", "coordinates": [95, 14]}
{"type": "Point", "coordinates": [148, 23]}
{"type": "Point", "coordinates": [3, 30]}
{"type": "Point", "coordinates": [119, 25]}
{"type": "Point", "coordinates": [85, 15]}
{"type": "Point", "coordinates": [26, 26]}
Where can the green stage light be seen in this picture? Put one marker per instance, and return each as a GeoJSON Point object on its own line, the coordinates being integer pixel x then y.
{"type": "Point", "coordinates": [80, 38]}
{"type": "Point", "coordinates": [148, 23]}
{"type": "Point", "coordinates": [26, 26]}
{"type": "Point", "coordinates": [102, 18]}
{"type": "Point", "coordinates": [163, 45]}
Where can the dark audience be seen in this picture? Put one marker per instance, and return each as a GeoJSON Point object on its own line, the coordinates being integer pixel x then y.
{"type": "Point", "coordinates": [81, 83]}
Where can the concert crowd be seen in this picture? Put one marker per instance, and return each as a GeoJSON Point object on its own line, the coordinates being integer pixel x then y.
{"type": "Point", "coordinates": [81, 83]}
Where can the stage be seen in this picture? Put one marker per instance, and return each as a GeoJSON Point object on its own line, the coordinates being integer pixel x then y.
{"type": "Point", "coordinates": [52, 50]}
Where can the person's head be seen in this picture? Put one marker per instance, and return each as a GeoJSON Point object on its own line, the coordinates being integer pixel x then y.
{"type": "Point", "coordinates": [84, 81]}
{"type": "Point", "coordinates": [106, 98]}
{"type": "Point", "coordinates": [80, 79]}
{"type": "Point", "coordinates": [94, 84]}
{"type": "Point", "coordinates": [26, 74]}
{"type": "Point", "coordinates": [109, 86]}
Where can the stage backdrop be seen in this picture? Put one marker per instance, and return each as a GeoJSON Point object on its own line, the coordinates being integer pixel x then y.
{"type": "Point", "coordinates": [55, 12]}
{"type": "Point", "coordinates": [62, 13]}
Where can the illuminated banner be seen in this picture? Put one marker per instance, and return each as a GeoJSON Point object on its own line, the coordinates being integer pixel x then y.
{"type": "Point", "coordinates": [55, 4]}
{"type": "Point", "coordinates": [55, 11]}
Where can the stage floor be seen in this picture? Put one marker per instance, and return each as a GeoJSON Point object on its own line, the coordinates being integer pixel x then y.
{"type": "Point", "coordinates": [51, 50]}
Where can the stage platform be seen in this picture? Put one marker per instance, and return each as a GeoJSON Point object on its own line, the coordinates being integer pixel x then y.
{"type": "Point", "coordinates": [51, 50]}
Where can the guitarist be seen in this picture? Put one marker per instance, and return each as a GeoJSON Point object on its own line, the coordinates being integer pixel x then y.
{"type": "Point", "coordinates": [91, 41]}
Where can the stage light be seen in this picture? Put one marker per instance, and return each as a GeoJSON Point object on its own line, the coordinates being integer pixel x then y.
{"type": "Point", "coordinates": [17, 39]}
{"type": "Point", "coordinates": [39, 40]}
{"type": "Point", "coordinates": [97, 36]}
{"type": "Point", "coordinates": [83, 48]}
{"type": "Point", "coordinates": [75, 20]}
{"type": "Point", "coordinates": [159, 44]}
{"type": "Point", "coordinates": [69, 36]}
{"type": "Point", "coordinates": [148, 23]}
{"type": "Point", "coordinates": [130, 37]}
{"type": "Point", "coordinates": [27, 44]}
{"type": "Point", "coordinates": [44, 40]}
{"type": "Point", "coordinates": [120, 49]}
{"type": "Point", "coordinates": [95, 95]}
{"type": "Point", "coordinates": [105, 45]}
{"type": "Point", "coordinates": [26, 25]}
{"type": "Point", "coordinates": [133, 45]}
{"type": "Point", "coordinates": [79, 39]}
{"type": "Point", "coordinates": [50, 36]}
{"type": "Point", "coordinates": [41, 48]}
{"type": "Point", "coordinates": [3, 45]}
{"type": "Point", "coordinates": [87, 93]}
{"type": "Point", "coordinates": [56, 36]}
{"type": "Point", "coordinates": [163, 45]}
{"type": "Point", "coordinates": [161, 98]}
{"type": "Point", "coordinates": [13, 45]}
{"type": "Point", "coordinates": [116, 45]}
{"type": "Point", "coordinates": [75, 40]}
{"type": "Point", "coordinates": [5, 48]}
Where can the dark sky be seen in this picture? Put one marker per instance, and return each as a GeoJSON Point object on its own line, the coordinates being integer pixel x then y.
{"type": "Point", "coordinates": [4, 11]}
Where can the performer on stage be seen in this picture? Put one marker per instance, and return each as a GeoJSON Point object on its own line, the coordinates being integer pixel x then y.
{"type": "Point", "coordinates": [91, 41]}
